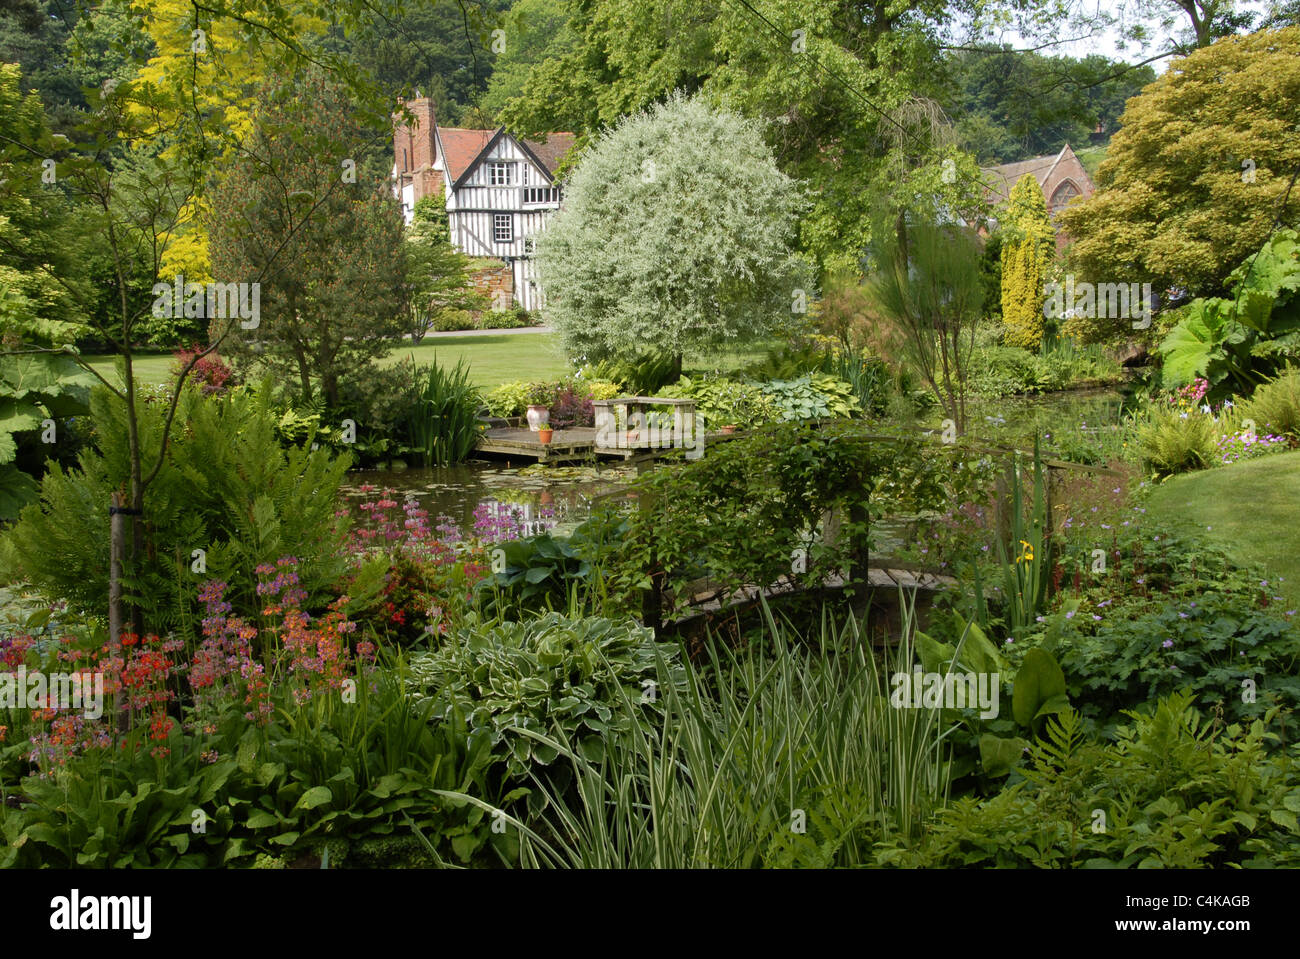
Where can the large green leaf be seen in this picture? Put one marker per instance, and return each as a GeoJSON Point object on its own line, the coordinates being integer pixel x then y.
{"type": "Point", "coordinates": [935, 656]}
{"type": "Point", "coordinates": [998, 754]}
{"type": "Point", "coordinates": [46, 374]}
{"type": "Point", "coordinates": [1189, 346]}
{"type": "Point", "coordinates": [1038, 682]}
{"type": "Point", "coordinates": [316, 796]}
{"type": "Point", "coordinates": [17, 417]}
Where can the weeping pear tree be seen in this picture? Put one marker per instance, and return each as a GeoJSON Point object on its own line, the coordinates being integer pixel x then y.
{"type": "Point", "coordinates": [676, 235]}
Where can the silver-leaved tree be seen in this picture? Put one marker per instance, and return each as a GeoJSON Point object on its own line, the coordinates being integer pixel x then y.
{"type": "Point", "coordinates": [676, 235]}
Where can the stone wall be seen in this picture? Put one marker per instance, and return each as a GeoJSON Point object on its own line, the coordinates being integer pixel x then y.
{"type": "Point", "coordinates": [496, 281]}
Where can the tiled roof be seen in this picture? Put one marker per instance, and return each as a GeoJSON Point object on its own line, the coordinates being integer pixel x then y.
{"type": "Point", "coordinates": [1000, 179]}
{"type": "Point", "coordinates": [460, 148]}
{"type": "Point", "coordinates": [553, 150]}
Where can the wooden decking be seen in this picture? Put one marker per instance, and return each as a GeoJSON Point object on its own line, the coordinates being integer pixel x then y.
{"type": "Point", "coordinates": [888, 575]}
{"type": "Point", "coordinates": [577, 443]}
{"type": "Point", "coordinates": [574, 444]}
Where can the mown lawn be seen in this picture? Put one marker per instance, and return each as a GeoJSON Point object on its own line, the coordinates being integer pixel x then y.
{"type": "Point", "coordinates": [149, 367]}
{"type": "Point", "coordinates": [1251, 509]}
{"type": "Point", "coordinates": [492, 360]}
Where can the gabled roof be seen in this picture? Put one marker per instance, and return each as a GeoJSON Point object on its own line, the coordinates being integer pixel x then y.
{"type": "Point", "coordinates": [459, 161]}
{"type": "Point", "coordinates": [550, 153]}
{"type": "Point", "coordinates": [459, 149]}
{"type": "Point", "coordinates": [1000, 179]}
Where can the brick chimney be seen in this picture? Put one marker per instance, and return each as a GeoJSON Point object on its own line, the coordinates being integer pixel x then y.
{"type": "Point", "coordinates": [415, 150]}
{"type": "Point", "coordinates": [413, 143]}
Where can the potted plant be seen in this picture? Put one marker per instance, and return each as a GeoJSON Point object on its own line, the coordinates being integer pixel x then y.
{"type": "Point", "coordinates": [540, 397]}
{"type": "Point", "coordinates": [544, 434]}
{"type": "Point", "coordinates": [539, 415]}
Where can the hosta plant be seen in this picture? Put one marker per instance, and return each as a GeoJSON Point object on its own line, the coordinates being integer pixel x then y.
{"type": "Point", "coordinates": [513, 682]}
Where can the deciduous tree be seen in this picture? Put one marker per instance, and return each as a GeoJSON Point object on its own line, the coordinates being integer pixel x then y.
{"type": "Point", "coordinates": [324, 236]}
{"type": "Point", "coordinates": [1200, 170]}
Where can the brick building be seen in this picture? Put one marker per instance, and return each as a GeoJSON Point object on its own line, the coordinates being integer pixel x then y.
{"type": "Point", "coordinates": [1061, 177]}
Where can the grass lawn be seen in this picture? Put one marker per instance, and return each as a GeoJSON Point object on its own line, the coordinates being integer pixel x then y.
{"type": "Point", "coordinates": [492, 360]}
{"type": "Point", "coordinates": [1252, 510]}
{"type": "Point", "coordinates": [149, 367]}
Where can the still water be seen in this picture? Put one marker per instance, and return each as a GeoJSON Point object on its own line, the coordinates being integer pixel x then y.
{"type": "Point", "coordinates": [554, 497]}
{"type": "Point", "coordinates": [562, 497]}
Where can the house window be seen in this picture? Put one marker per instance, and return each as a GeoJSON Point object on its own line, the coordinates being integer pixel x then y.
{"type": "Point", "coordinates": [500, 173]}
{"type": "Point", "coordinates": [503, 230]}
{"type": "Point", "coordinates": [541, 194]}
{"type": "Point", "coordinates": [1062, 196]}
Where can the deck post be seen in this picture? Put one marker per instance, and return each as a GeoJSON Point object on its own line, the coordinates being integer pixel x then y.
{"type": "Point", "coordinates": [651, 600]}
{"type": "Point", "coordinates": [860, 556]}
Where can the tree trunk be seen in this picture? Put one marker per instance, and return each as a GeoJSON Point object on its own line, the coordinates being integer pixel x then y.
{"type": "Point", "coordinates": [116, 556]}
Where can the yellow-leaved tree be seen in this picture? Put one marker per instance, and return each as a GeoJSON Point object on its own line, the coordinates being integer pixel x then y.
{"type": "Point", "coordinates": [1199, 173]}
{"type": "Point", "coordinates": [197, 90]}
{"type": "Point", "coordinates": [1027, 248]}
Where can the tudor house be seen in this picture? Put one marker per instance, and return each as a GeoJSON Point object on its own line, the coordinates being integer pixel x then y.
{"type": "Point", "coordinates": [499, 190]}
{"type": "Point", "coordinates": [1061, 177]}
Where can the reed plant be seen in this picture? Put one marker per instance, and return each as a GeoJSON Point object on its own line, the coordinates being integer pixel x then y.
{"type": "Point", "coordinates": [1026, 565]}
{"type": "Point", "coordinates": [785, 752]}
{"type": "Point", "coordinates": [441, 420]}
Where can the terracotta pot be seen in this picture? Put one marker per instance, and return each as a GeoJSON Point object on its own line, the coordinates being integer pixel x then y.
{"type": "Point", "coordinates": [544, 434]}
{"type": "Point", "coordinates": [538, 416]}
{"type": "Point", "coordinates": [729, 429]}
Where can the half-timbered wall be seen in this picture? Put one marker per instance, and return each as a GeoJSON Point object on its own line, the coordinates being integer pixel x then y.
{"type": "Point", "coordinates": [503, 202]}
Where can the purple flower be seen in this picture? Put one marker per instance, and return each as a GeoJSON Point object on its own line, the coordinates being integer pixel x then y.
{"type": "Point", "coordinates": [1167, 643]}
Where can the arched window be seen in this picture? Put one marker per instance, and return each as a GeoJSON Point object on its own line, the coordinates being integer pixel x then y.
{"type": "Point", "coordinates": [1062, 195]}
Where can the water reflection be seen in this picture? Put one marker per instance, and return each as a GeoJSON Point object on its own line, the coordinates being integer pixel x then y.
{"type": "Point", "coordinates": [534, 498]}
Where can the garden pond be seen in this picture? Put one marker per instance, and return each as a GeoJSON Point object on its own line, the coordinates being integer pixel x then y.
{"type": "Point", "coordinates": [479, 493]}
